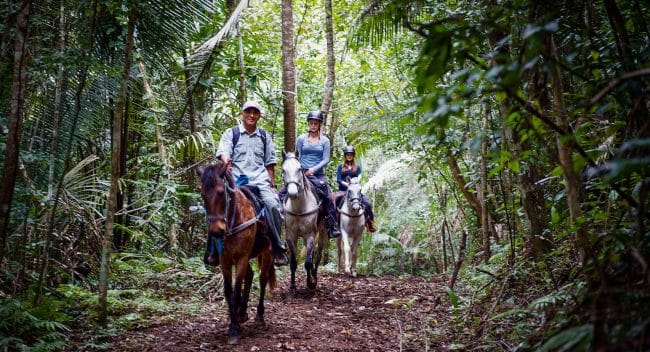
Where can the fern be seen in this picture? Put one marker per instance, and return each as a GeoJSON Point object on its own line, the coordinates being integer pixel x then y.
{"type": "Point", "coordinates": [33, 328]}
{"type": "Point", "coordinates": [573, 339]}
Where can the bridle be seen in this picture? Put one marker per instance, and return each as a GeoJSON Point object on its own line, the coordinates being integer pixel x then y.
{"type": "Point", "coordinates": [351, 201]}
{"type": "Point", "coordinates": [230, 219]}
{"type": "Point", "coordinates": [302, 186]}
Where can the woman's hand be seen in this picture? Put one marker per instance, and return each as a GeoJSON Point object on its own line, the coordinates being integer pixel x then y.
{"type": "Point", "coordinates": [309, 172]}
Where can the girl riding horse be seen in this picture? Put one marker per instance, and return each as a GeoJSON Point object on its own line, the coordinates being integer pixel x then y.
{"type": "Point", "coordinates": [349, 170]}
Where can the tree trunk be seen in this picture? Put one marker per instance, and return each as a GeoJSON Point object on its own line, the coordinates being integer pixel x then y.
{"type": "Point", "coordinates": [565, 152]}
{"type": "Point", "coordinates": [532, 194]}
{"type": "Point", "coordinates": [243, 95]}
{"type": "Point", "coordinates": [288, 77]}
{"type": "Point", "coordinates": [485, 222]}
{"type": "Point", "coordinates": [462, 184]}
{"type": "Point", "coordinates": [18, 85]}
{"type": "Point", "coordinates": [331, 78]}
{"type": "Point", "coordinates": [444, 246]}
{"type": "Point", "coordinates": [162, 149]}
{"type": "Point", "coordinates": [58, 108]}
{"type": "Point", "coordinates": [459, 262]}
{"type": "Point", "coordinates": [115, 172]}
{"type": "Point", "coordinates": [638, 123]}
{"type": "Point", "coordinates": [52, 199]}
{"type": "Point", "coordinates": [232, 5]}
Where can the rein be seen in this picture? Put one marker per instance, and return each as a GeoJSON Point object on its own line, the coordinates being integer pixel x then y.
{"type": "Point", "coordinates": [230, 230]}
{"type": "Point", "coordinates": [301, 187]}
{"type": "Point", "coordinates": [349, 200]}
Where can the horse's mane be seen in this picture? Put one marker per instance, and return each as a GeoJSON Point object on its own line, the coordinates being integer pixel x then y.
{"type": "Point", "coordinates": [213, 172]}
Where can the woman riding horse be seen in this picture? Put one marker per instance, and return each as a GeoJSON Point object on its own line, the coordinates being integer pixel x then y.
{"type": "Point", "coordinates": [302, 220]}
{"type": "Point", "coordinates": [349, 170]}
{"type": "Point", "coordinates": [313, 151]}
{"type": "Point", "coordinates": [352, 221]}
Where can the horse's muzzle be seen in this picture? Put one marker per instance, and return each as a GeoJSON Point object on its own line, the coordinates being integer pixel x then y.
{"type": "Point", "coordinates": [292, 190]}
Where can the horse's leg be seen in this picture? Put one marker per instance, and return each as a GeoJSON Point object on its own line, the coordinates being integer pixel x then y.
{"type": "Point", "coordinates": [355, 249]}
{"type": "Point", "coordinates": [266, 264]}
{"type": "Point", "coordinates": [293, 265]}
{"type": "Point", "coordinates": [248, 281]}
{"type": "Point", "coordinates": [339, 253]}
{"type": "Point", "coordinates": [311, 281]}
{"type": "Point", "coordinates": [232, 312]}
{"type": "Point", "coordinates": [321, 246]}
{"type": "Point", "coordinates": [236, 298]}
{"type": "Point", "coordinates": [345, 237]}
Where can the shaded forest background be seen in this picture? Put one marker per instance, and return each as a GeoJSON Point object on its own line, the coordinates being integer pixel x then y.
{"type": "Point", "coordinates": [505, 145]}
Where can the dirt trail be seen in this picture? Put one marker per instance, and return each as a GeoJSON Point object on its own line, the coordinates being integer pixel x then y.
{"type": "Point", "coordinates": [368, 313]}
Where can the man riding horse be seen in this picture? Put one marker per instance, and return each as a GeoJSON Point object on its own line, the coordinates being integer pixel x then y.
{"type": "Point", "coordinates": [250, 152]}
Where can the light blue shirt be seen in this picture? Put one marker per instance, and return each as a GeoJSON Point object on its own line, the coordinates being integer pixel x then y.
{"type": "Point", "coordinates": [314, 156]}
{"type": "Point", "coordinates": [249, 157]}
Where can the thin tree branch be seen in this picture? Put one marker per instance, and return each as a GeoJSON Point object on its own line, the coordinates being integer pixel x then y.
{"type": "Point", "coordinates": [615, 83]}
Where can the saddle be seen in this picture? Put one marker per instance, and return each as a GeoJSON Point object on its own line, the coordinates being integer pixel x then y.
{"type": "Point", "coordinates": [337, 198]}
{"type": "Point", "coordinates": [211, 255]}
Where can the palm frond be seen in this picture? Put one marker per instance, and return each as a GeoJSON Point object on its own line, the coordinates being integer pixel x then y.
{"type": "Point", "coordinates": [203, 52]}
{"type": "Point", "coordinates": [388, 171]}
{"type": "Point", "coordinates": [383, 19]}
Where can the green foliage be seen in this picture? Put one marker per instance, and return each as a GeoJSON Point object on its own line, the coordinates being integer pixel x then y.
{"type": "Point", "coordinates": [573, 339]}
{"type": "Point", "coordinates": [26, 327]}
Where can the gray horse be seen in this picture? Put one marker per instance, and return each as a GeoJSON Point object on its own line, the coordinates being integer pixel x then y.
{"type": "Point", "coordinates": [352, 221]}
{"type": "Point", "coordinates": [302, 220]}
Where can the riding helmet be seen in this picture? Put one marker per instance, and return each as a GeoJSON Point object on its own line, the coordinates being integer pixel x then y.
{"type": "Point", "coordinates": [315, 115]}
{"type": "Point", "coordinates": [348, 149]}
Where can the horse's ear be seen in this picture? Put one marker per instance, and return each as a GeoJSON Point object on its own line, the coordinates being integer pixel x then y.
{"type": "Point", "coordinates": [284, 154]}
{"type": "Point", "coordinates": [199, 170]}
{"type": "Point", "coordinates": [347, 179]}
{"type": "Point", "coordinates": [296, 153]}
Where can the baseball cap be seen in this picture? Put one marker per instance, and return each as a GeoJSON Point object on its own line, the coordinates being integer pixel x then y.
{"type": "Point", "coordinates": [251, 104]}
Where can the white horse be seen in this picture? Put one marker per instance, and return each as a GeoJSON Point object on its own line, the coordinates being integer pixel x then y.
{"type": "Point", "coordinates": [352, 222]}
{"type": "Point", "coordinates": [302, 220]}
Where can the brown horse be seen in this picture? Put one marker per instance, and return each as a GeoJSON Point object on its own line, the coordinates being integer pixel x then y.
{"type": "Point", "coordinates": [240, 236]}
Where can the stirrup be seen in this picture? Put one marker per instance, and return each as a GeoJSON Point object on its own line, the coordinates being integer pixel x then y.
{"type": "Point", "coordinates": [333, 233]}
{"type": "Point", "coordinates": [280, 259]}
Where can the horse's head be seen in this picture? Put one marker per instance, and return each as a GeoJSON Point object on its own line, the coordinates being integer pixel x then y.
{"type": "Point", "coordinates": [217, 191]}
{"type": "Point", "coordinates": [292, 174]}
{"type": "Point", "coordinates": [353, 194]}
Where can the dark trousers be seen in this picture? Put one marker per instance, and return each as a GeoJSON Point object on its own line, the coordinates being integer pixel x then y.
{"type": "Point", "coordinates": [323, 191]}
{"type": "Point", "coordinates": [368, 214]}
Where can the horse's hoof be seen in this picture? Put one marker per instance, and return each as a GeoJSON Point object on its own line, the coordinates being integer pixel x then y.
{"type": "Point", "coordinates": [233, 340]}
{"type": "Point", "coordinates": [243, 318]}
{"type": "Point", "coordinates": [259, 322]}
{"type": "Point", "coordinates": [354, 273]}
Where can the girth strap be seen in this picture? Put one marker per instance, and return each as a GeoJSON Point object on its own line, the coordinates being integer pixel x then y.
{"type": "Point", "coordinates": [246, 224]}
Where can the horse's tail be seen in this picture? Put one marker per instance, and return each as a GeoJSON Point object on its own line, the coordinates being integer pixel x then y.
{"type": "Point", "coordinates": [272, 277]}
{"type": "Point", "coordinates": [265, 260]}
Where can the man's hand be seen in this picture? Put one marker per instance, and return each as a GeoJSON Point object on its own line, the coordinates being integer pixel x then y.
{"type": "Point", "coordinates": [226, 160]}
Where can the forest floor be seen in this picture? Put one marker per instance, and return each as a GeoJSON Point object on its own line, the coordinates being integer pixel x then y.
{"type": "Point", "coordinates": [367, 313]}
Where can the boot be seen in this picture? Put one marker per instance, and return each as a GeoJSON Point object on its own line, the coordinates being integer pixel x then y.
{"type": "Point", "coordinates": [333, 230]}
{"type": "Point", "coordinates": [279, 252]}
{"type": "Point", "coordinates": [277, 246]}
{"type": "Point", "coordinates": [210, 257]}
